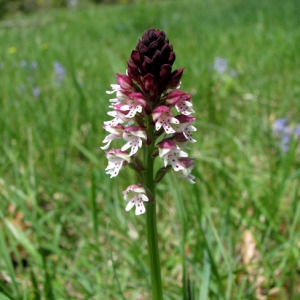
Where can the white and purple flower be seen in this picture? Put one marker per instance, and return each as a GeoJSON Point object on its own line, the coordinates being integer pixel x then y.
{"type": "Point", "coordinates": [135, 195]}
{"type": "Point", "coordinates": [163, 117]}
{"type": "Point", "coordinates": [152, 117]}
{"type": "Point", "coordinates": [134, 136]}
{"type": "Point", "coordinates": [116, 160]}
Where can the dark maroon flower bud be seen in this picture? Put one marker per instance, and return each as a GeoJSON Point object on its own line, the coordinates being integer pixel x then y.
{"type": "Point", "coordinates": [155, 56]}
{"type": "Point", "coordinates": [150, 84]}
{"type": "Point", "coordinates": [174, 81]}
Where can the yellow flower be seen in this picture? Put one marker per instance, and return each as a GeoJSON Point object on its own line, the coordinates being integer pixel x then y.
{"type": "Point", "coordinates": [12, 50]}
{"type": "Point", "coordinates": [44, 46]}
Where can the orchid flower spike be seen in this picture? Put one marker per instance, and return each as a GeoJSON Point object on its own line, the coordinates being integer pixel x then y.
{"type": "Point", "coordinates": [152, 117]}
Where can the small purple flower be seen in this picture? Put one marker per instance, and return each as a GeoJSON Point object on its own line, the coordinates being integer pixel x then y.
{"type": "Point", "coordinates": [280, 125]}
{"type": "Point", "coordinates": [33, 65]}
{"type": "Point", "coordinates": [59, 72]}
{"type": "Point", "coordinates": [297, 131]}
{"type": "Point", "coordinates": [233, 73]}
{"type": "Point", "coordinates": [220, 65]}
{"type": "Point", "coordinates": [23, 63]}
{"type": "Point", "coordinates": [285, 141]}
{"type": "Point", "coordinates": [286, 133]}
{"type": "Point", "coordinates": [36, 91]}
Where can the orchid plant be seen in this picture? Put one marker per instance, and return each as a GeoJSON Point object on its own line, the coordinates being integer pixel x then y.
{"type": "Point", "coordinates": [154, 119]}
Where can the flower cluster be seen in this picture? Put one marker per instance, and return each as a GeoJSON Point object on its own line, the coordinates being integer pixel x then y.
{"type": "Point", "coordinates": [286, 133]}
{"type": "Point", "coordinates": [151, 115]}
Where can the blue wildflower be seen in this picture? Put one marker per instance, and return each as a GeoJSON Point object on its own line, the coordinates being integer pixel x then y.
{"type": "Point", "coordinates": [220, 65]}
{"type": "Point", "coordinates": [297, 131]}
{"type": "Point", "coordinates": [59, 72]}
{"type": "Point", "coordinates": [286, 139]}
{"type": "Point", "coordinates": [33, 65]}
{"type": "Point", "coordinates": [279, 125]}
{"type": "Point", "coordinates": [36, 91]}
{"type": "Point", "coordinates": [286, 133]}
{"type": "Point", "coordinates": [23, 63]}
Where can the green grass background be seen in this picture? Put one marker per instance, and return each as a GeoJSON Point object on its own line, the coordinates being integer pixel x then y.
{"type": "Point", "coordinates": [75, 236]}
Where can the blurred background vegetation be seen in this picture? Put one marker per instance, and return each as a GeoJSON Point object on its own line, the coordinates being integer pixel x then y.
{"type": "Point", "coordinates": [9, 7]}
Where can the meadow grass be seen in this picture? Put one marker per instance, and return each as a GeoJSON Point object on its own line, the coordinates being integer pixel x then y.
{"type": "Point", "coordinates": [64, 231]}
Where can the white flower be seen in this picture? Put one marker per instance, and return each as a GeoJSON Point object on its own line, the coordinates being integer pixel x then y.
{"type": "Point", "coordinates": [162, 116]}
{"type": "Point", "coordinates": [171, 153]}
{"type": "Point", "coordinates": [135, 195]}
{"type": "Point", "coordinates": [135, 103]}
{"type": "Point", "coordinates": [119, 117]}
{"type": "Point", "coordinates": [188, 165]}
{"type": "Point", "coordinates": [115, 133]}
{"type": "Point", "coordinates": [116, 158]}
{"type": "Point", "coordinates": [181, 101]}
{"type": "Point", "coordinates": [133, 135]}
{"type": "Point", "coordinates": [115, 88]}
{"type": "Point", "coordinates": [185, 127]}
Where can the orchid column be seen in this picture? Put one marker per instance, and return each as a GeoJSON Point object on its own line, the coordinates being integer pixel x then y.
{"type": "Point", "coordinates": [154, 119]}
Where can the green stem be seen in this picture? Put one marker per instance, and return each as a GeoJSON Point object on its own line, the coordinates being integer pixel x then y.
{"type": "Point", "coordinates": [154, 252]}
{"type": "Point", "coordinates": [152, 237]}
